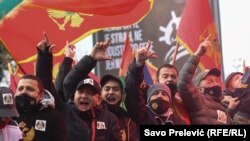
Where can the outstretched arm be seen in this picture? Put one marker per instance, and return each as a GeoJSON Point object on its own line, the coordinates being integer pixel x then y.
{"type": "Point", "coordinates": [44, 69]}
{"type": "Point", "coordinates": [45, 62]}
{"type": "Point", "coordinates": [135, 100]}
{"type": "Point", "coordinates": [64, 68]}
{"type": "Point", "coordinates": [188, 92]}
{"type": "Point", "coordinates": [83, 67]}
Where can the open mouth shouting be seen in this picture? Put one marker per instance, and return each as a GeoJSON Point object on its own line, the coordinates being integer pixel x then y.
{"type": "Point", "coordinates": [84, 104]}
{"type": "Point", "coordinates": [111, 99]}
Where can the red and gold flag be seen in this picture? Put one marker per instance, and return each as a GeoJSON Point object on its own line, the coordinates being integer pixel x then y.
{"type": "Point", "coordinates": [21, 30]}
{"type": "Point", "coordinates": [196, 24]}
{"type": "Point", "coordinates": [97, 7]}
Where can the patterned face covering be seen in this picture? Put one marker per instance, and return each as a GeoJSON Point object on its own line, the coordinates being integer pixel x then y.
{"type": "Point", "coordinates": [159, 106]}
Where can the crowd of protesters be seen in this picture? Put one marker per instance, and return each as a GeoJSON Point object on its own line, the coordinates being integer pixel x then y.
{"type": "Point", "coordinates": [77, 108]}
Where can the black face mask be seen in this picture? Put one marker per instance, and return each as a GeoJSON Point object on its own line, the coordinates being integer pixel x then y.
{"type": "Point", "coordinates": [173, 88]}
{"type": "Point", "coordinates": [214, 91]}
{"type": "Point", "coordinates": [25, 103]}
{"type": "Point", "coordinates": [159, 106]}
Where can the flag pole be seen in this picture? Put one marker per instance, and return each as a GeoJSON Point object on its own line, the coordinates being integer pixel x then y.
{"type": "Point", "coordinates": [175, 53]}
{"type": "Point", "coordinates": [244, 66]}
{"type": "Point", "coordinates": [20, 67]}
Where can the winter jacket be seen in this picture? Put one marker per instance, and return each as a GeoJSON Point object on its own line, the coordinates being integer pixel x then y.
{"type": "Point", "coordinates": [99, 116]}
{"type": "Point", "coordinates": [243, 107]}
{"type": "Point", "coordinates": [129, 129]}
{"type": "Point", "coordinates": [202, 108]}
{"type": "Point", "coordinates": [42, 123]}
{"type": "Point", "coordinates": [76, 128]}
{"type": "Point", "coordinates": [64, 68]}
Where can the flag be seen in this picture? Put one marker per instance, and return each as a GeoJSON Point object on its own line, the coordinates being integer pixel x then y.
{"type": "Point", "coordinates": [180, 109]}
{"type": "Point", "coordinates": [149, 69]}
{"type": "Point", "coordinates": [147, 77]}
{"type": "Point", "coordinates": [21, 30]}
{"type": "Point", "coordinates": [196, 24]}
{"type": "Point", "coordinates": [6, 6]}
{"type": "Point", "coordinates": [14, 76]}
{"type": "Point", "coordinates": [100, 7]}
{"type": "Point", "coordinates": [150, 73]}
{"type": "Point", "coordinates": [126, 60]}
{"type": "Point", "coordinates": [14, 79]}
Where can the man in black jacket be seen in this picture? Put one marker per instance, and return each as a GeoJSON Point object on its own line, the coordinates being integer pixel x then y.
{"type": "Point", "coordinates": [32, 104]}
{"type": "Point", "coordinates": [76, 127]}
{"type": "Point", "coordinates": [102, 124]}
{"type": "Point", "coordinates": [84, 120]}
{"type": "Point", "coordinates": [112, 94]}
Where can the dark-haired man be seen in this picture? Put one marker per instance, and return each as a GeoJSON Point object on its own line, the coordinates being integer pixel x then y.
{"type": "Point", "coordinates": [85, 120]}
{"type": "Point", "coordinates": [34, 105]}
{"type": "Point", "coordinates": [112, 95]}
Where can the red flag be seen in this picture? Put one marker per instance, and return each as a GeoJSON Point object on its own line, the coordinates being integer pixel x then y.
{"type": "Point", "coordinates": [126, 58]}
{"type": "Point", "coordinates": [14, 76]}
{"type": "Point", "coordinates": [196, 24]}
{"type": "Point", "coordinates": [21, 32]}
{"type": "Point", "coordinates": [99, 7]}
{"type": "Point", "coordinates": [180, 109]}
{"type": "Point", "coordinates": [14, 79]}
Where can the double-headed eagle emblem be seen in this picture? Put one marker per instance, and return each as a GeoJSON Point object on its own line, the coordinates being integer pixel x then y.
{"type": "Point", "coordinates": [75, 19]}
